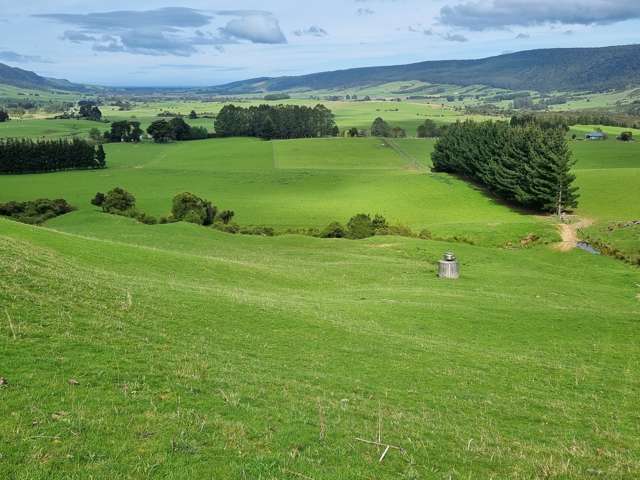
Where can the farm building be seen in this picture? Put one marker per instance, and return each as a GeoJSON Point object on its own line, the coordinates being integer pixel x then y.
{"type": "Point", "coordinates": [595, 136]}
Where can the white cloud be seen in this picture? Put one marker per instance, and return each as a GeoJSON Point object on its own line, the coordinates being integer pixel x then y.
{"type": "Point", "coordinates": [166, 31]}
{"type": "Point", "coordinates": [312, 31]}
{"type": "Point", "coordinates": [256, 27]}
{"type": "Point", "coordinates": [481, 15]}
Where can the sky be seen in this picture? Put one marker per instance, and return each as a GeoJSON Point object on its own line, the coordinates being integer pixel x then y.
{"type": "Point", "coordinates": [203, 43]}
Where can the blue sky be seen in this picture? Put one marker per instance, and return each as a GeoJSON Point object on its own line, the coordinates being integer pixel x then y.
{"type": "Point", "coordinates": [197, 42]}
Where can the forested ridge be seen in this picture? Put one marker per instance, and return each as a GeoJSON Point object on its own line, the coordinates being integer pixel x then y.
{"type": "Point", "coordinates": [565, 69]}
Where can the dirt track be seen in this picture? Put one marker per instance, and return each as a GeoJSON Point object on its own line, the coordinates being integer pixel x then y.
{"type": "Point", "coordinates": [569, 234]}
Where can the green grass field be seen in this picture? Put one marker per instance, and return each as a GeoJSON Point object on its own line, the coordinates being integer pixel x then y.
{"type": "Point", "coordinates": [199, 354]}
{"type": "Point", "coordinates": [608, 174]}
{"type": "Point", "coordinates": [293, 184]}
{"type": "Point", "coordinates": [407, 115]}
{"type": "Point", "coordinates": [42, 128]}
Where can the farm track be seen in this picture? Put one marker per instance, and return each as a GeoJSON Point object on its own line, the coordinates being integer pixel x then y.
{"type": "Point", "coordinates": [412, 162]}
{"type": "Point", "coordinates": [569, 234]}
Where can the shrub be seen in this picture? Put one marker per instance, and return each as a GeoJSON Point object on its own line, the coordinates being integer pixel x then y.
{"type": "Point", "coordinates": [193, 216]}
{"type": "Point", "coordinates": [146, 219]}
{"type": "Point", "coordinates": [260, 231]}
{"type": "Point", "coordinates": [379, 222]}
{"type": "Point", "coordinates": [425, 234]}
{"type": "Point", "coordinates": [334, 230]}
{"type": "Point", "coordinates": [99, 199]}
{"type": "Point", "coordinates": [193, 209]}
{"type": "Point", "coordinates": [626, 137]}
{"type": "Point", "coordinates": [360, 226]}
{"type": "Point", "coordinates": [226, 216]}
{"type": "Point", "coordinates": [35, 212]}
{"type": "Point", "coordinates": [118, 201]}
{"type": "Point", "coordinates": [232, 228]}
{"type": "Point", "coordinates": [396, 230]}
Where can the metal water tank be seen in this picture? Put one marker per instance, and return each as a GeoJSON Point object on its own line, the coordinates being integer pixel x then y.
{"type": "Point", "coordinates": [449, 267]}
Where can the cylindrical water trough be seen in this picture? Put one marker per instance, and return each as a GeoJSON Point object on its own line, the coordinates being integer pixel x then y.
{"type": "Point", "coordinates": [449, 268]}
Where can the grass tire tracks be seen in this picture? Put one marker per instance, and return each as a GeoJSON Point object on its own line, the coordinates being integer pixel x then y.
{"type": "Point", "coordinates": [410, 159]}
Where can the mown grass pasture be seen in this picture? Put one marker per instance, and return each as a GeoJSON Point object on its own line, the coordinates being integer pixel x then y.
{"type": "Point", "coordinates": [191, 352]}
{"type": "Point", "coordinates": [177, 351]}
{"type": "Point", "coordinates": [290, 185]}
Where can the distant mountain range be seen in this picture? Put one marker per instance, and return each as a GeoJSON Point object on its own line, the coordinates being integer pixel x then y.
{"type": "Point", "coordinates": [16, 77]}
{"type": "Point", "coordinates": [563, 69]}
{"type": "Point", "coordinates": [558, 69]}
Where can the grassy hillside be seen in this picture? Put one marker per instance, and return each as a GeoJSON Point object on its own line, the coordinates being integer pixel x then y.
{"type": "Point", "coordinates": [542, 70]}
{"type": "Point", "coordinates": [187, 344]}
{"type": "Point", "coordinates": [292, 184]}
{"type": "Point", "coordinates": [176, 351]}
{"type": "Point", "coordinates": [608, 174]}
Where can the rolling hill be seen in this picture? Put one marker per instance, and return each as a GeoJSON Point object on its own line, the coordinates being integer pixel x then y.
{"type": "Point", "coordinates": [564, 69]}
{"type": "Point", "coordinates": [16, 77]}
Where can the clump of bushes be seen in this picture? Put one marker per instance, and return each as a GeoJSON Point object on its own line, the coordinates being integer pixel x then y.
{"type": "Point", "coordinates": [190, 208]}
{"type": "Point", "coordinates": [35, 212]}
{"type": "Point", "coordinates": [163, 131]}
{"type": "Point", "coordinates": [120, 202]}
{"type": "Point", "coordinates": [362, 226]}
{"type": "Point", "coordinates": [334, 230]}
{"type": "Point", "coordinates": [259, 231]}
{"type": "Point", "coordinates": [626, 137]}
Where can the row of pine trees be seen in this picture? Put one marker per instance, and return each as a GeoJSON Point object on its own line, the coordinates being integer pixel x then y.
{"type": "Point", "coordinates": [276, 122]}
{"type": "Point", "coordinates": [526, 164]}
{"type": "Point", "coordinates": [39, 156]}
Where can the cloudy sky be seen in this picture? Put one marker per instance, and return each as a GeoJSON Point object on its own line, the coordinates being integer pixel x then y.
{"type": "Point", "coordinates": [199, 42]}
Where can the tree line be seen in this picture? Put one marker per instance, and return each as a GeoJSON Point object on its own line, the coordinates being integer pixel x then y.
{"type": "Point", "coordinates": [565, 120]}
{"type": "Point", "coordinates": [162, 131]}
{"type": "Point", "coordinates": [276, 122]}
{"type": "Point", "coordinates": [4, 116]}
{"type": "Point", "coordinates": [524, 164]}
{"type": "Point", "coordinates": [39, 156]}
